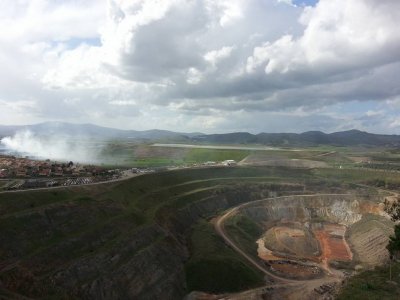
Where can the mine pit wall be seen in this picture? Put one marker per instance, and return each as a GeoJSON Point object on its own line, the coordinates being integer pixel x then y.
{"type": "Point", "coordinates": [176, 225]}
{"type": "Point", "coordinates": [156, 269]}
{"type": "Point", "coordinates": [139, 269]}
{"type": "Point", "coordinates": [342, 209]}
{"type": "Point", "coordinates": [368, 225]}
{"type": "Point", "coordinates": [179, 223]}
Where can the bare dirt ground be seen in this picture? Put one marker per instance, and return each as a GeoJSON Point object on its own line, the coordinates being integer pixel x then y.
{"type": "Point", "coordinates": [359, 159]}
{"type": "Point", "coordinates": [145, 151]}
{"type": "Point", "coordinates": [261, 159]}
{"type": "Point", "coordinates": [297, 270]}
{"type": "Point", "coordinates": [333, 245]}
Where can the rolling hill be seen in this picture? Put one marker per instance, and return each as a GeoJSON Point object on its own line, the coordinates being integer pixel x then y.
{"type": "Point", "coordinates": [309, 138]}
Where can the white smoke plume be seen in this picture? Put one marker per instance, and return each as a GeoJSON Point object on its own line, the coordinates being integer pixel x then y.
{"type": "Point", "coordinates": [28, 143]}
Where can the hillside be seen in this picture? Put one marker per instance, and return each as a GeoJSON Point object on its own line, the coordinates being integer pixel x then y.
{"type": "Point", "coordinates": [94, 131]}
{"type": "Point", "coordinates": [310, 138]}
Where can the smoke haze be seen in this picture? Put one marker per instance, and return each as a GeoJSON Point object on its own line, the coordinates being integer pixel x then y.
{"type": "Point", "coordinates": [28, 143]}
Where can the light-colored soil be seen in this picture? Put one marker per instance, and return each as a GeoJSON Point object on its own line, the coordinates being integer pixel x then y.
{"type": "Point", "coordinates": [144, 151]}
{"type": "Point", "coordinates": [259, 159]}
{"type": "Point", "coordinates": [359, 159]}
{"type": "Point", "coordinates": [265, 253]}
{"type": "Point", "coordinates": [299, 271]}
{"type": "Point", "coordinates": [292, 241]}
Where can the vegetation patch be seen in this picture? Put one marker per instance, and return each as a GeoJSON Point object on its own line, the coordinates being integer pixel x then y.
{"type": "Point", "coordinates": [204, 155]}
{"type": "Point", "coordinates": [245, 232]}
{"type": "Point", "coordinates": [214, 267]}
{"type": "Point", "coordinates": [373, 285]}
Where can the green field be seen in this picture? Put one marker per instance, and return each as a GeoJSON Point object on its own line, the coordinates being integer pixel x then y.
{"type": "Point", "coordinates": [132, 155]}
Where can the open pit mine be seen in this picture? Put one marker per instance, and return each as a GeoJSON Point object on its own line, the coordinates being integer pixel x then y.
{"type": "Point", "coordinates": [311, 243]}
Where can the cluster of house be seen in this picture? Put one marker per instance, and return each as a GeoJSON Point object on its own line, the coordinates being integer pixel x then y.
{"type": "Point", "coordinates": [11, 167]}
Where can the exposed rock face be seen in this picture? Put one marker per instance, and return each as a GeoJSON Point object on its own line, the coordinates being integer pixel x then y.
{"type": "Point", "coordinates": [342, 209]}
{"type": "Point", "coordinates": [369, 238]}
{"type": "Point", "coordinates": [180, 221]}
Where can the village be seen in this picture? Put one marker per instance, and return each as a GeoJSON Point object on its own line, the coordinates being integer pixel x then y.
{"type": "Point", "coordinates": [18, 173]}
{"type": "Point", "coordinates": [16, 167]}
{"type": "Point", "coordinates": [26, 173]}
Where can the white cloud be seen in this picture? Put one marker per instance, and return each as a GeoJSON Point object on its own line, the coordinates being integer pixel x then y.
{"type": "Point", "coordinates": [158, 61]}
{"type": "Point", "coordinates": [194, 76]}
{"type": "Point", "coordinates": [214, 56]}
{"type": "Point", "coordinates": [35, 20]}
{"type": "Point", "coordinates": [338, 36]}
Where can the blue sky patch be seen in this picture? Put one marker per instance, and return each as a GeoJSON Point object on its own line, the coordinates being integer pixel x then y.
{"type": "Point", "coordinates": [305, 2]}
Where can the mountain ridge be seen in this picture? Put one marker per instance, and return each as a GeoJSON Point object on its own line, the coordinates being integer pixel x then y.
{"type": "Point", "coordinates": [351, 137]}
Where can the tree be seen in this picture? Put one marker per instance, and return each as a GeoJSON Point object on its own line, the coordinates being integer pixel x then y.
{"type": "Point", "coordinates": [394, 242]}
{"type": "Point", "coordinates": [392, 207]}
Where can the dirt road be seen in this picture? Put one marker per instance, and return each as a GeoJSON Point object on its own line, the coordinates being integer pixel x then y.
{"type": "Point", "coordinates": [219, 227]}
{"type": "Point", "coordinates": [126, 176]}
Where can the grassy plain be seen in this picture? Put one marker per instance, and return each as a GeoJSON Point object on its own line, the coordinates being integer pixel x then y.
{"type": "Point", "coordinates": [124, 154]}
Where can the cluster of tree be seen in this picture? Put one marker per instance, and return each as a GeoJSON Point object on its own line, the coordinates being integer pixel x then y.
{"type": "Point", "coordinates": [383, 183]}
{"type": "Point", "coordinates": [392, 207]}
{"type": "Point", "coordinates": [381, 166]}
{"type": "Point", "coordinates": [394, 243]}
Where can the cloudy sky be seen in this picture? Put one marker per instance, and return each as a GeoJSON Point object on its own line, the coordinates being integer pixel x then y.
{"type": "Point", "coordinates": [202, 65]}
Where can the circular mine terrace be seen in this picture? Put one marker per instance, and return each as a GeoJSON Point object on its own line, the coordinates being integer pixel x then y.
{"type": "Point", "coordinates": [313, 236]}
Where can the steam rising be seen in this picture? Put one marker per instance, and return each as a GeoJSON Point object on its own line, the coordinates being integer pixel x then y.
{"type": "Point", "coordinates": [54, 148]}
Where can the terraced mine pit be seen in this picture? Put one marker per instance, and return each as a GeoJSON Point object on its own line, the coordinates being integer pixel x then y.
{"type": "Point", "coordinates": [308, 237]}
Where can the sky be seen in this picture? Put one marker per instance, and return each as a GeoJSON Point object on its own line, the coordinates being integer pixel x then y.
{"type": "Point", "coordinates": [202, 65]}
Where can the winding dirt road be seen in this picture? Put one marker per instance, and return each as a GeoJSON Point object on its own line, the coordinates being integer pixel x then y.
{"type": "Point", "coordinates": [219, 227]}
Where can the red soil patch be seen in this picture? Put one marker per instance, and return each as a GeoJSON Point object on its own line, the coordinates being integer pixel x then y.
{"type": "Point", "coordinates": [370, 208]}
{"type": "Point", "coordinates": [333, 244]}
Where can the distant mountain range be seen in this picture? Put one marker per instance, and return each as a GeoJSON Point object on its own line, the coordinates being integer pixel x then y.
{"type": "Point", "coordinates": [94, 131]}
{"type": "Point", "coordinates": [310, 138]}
